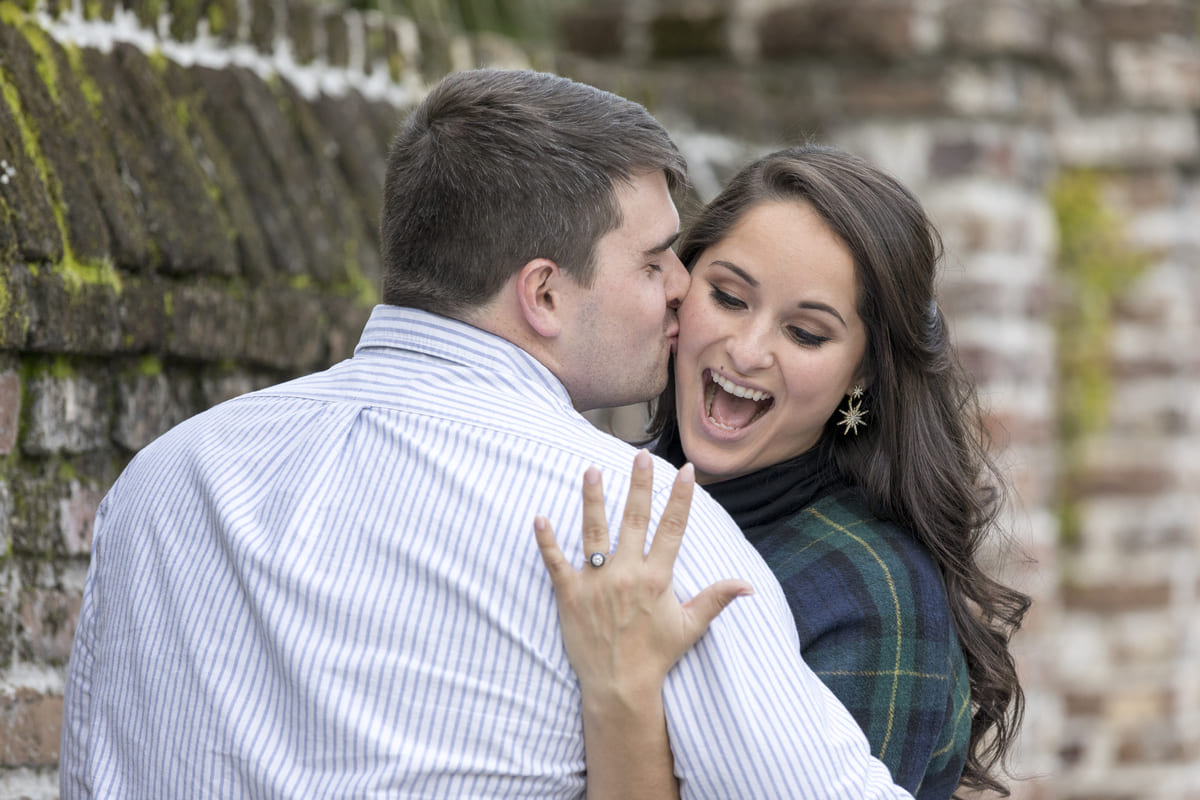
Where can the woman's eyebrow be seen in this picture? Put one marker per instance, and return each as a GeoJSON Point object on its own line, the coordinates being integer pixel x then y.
{"type": "Point", "coordinates": [735, 269]}
{"type": "Point", "coordinates": [816, 305]}
{"type": "Point", "coordinates": [812, 305]}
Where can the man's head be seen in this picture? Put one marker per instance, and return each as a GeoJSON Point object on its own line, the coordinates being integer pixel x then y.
{"type": "Point", "coordinates": [496, 168]}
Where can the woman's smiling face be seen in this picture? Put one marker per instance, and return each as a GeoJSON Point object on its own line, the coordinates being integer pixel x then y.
{"type": "Point", "coordinates": [769, 341]}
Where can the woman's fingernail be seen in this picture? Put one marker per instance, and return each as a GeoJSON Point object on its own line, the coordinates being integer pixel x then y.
{"type": "Point", "coordinates": [540, 523]}
{"type": "Point", "coordinates": [642, 459]}
{"type": "Point", "coordinates": [592, 476]}
{"type": "Point", "coordinates": [687, 473]}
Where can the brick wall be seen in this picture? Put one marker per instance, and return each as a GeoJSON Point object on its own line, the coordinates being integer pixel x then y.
{"type": "Point", "coordinates": [188, 195]}
{"type": "Point", "coordinates": [1008, 118]}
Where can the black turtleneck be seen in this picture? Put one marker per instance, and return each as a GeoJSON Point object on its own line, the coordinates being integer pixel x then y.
{"type": "Point", "coordinates": [767, 497]}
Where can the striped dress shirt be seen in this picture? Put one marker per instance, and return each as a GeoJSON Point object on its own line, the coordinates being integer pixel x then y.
{"type": "Point", "coordinates": [331, 588]}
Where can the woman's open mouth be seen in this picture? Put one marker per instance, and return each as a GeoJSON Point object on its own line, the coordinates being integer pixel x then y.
{"type": "Point", "coordinates": [730, 406]}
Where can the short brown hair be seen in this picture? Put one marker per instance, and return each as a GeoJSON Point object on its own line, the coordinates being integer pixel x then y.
{"type": "Point", "coordinates": [495, 168]}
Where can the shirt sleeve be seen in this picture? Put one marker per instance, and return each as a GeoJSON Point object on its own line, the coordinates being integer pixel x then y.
{"type": "Point", "coordinates": [746, 716]}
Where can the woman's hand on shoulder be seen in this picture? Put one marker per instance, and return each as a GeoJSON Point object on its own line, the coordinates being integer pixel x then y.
{"type": "Point", "coordinates": [622, 624]}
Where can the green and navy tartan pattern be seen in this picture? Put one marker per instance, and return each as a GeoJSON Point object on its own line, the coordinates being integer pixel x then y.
{"type": "Point", "coordinates": [875, 626]}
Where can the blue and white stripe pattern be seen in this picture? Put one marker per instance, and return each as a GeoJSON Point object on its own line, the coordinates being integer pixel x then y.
{"type": "Point", "coordinates": [331, 588]}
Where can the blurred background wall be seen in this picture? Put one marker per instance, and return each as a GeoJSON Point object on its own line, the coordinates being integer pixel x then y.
{"type": "Point", "coordinates": [189, 191]}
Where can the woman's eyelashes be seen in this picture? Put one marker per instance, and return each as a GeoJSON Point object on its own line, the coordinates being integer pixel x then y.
{"type": "Point", "coordinates": [805, 338]}
{"type": "Point", "coordinates": [798, 335]}
{"type": "Point", "coordinates": [725, 300]}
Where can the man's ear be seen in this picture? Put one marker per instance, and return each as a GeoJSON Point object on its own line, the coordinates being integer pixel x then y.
{"type": "Point", "coordinates": [540, 296]}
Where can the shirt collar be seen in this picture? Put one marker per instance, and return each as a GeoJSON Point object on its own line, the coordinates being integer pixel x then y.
{"type": "Point", "coordinates": [398, 328]}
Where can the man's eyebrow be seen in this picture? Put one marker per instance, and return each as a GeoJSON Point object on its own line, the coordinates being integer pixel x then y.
{"type": "Point", "coordinates": [666, 245]}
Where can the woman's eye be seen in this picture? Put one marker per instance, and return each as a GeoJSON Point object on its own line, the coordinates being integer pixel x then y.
{"type": "Point", "coordinates": [806, 338]}
{"type": "Point", "coordinates": [725, 300]}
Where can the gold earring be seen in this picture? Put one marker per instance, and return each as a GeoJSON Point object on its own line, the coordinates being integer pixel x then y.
{"type": "Point", "coordinates": [853, 414]}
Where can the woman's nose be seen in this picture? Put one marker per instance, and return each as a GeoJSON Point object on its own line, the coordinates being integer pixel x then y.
{"type": "Point", "coordinates": [749, 346]}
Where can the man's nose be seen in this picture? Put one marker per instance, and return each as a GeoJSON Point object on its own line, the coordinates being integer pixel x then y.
{"type": "Point", "coordinates": [678, 279]}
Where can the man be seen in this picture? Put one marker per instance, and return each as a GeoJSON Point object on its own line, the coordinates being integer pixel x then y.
{"type": "Point", "coordinates": [330, 588]}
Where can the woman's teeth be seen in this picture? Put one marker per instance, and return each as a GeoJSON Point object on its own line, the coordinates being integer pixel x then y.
{"type": "Point", "coordinates": [743, 406]}
{"type": "Point", "coordinates": [739, 391]}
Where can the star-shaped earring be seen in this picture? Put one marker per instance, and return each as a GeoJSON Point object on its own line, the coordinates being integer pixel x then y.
{"type": "Point", "coordinates": [854, 414]}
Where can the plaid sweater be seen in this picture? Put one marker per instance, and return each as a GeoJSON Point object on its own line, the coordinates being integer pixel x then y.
{"type": "Point", "coordinates": [871, 612]}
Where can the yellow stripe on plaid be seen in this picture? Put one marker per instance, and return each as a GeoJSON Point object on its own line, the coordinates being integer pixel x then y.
{"type": "Point", "coordinates": [887, 574]}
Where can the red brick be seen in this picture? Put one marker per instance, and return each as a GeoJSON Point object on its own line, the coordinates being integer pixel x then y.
{"type": "Point", "coordinates": [1127, 480]}
{"type": "Point", "coordinates": [893, 92]}
{"type": "Point", "coordinates": [1083, 704]}
{"type": "Point", "coordinates": [825, 27]}
{"type": "Point", "coordinates": [30, 724]}
{"type": "Point", "coordinates": [1114, 598]}
{"type": "Point", "coordinates": [1145, 20]}
{"type": "Point", "coordinates": [76, 517]}
{"type": "Point", "coordinates": [1150, 744]}
{"type": "Point", "coordinates": [688, 35]}
{"type": "Point", "coordinates": [594, 31]}
{"type": "Point", "coordinates": [48, 617]}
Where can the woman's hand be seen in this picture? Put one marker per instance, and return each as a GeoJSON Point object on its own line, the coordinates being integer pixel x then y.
{"type": "Point", "coordinates": [622, 624]}
{"type": "Point", "coordinates": [624, 629]}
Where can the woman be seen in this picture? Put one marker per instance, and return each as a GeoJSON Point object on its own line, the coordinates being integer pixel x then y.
{"type": "Point", "coordinates": [817, 395]}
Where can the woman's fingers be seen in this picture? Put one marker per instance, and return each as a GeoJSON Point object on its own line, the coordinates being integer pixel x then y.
{"type": "Point", "coordinates": [556, 563]}
{"type": "Point", "coordinates": [701, 610]}
{"type": "Point", "coordinates": [595, 521]}
{"type": "Point", "coordinates": [636, 518]}
{"type": "Point", "coordinates": [669, 534]}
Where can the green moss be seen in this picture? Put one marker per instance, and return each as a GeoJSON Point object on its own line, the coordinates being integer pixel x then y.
{"type": "Point", "coordinates": [149, 366]}
{"type": "Point", "coordinates": [75, 272]}
{"type": "Point", "coordinates": [11, 14]}
{"type": "Point", "coordinates": [149, 11]}
{"type": "Point", "coordinates": [58, 367]}
{"type": "Point", "coordinates": [218, 20]}
{"type": "Point", "coordinates": [14, 320]}
{"type": "Point", "coordinates": [364, 292]}
{"type": "Point", "coordinates": [66, 472]}
{"type": "Point", "coordinates": [47, 64]}
{"type": "Point", "coordinates": [183, 112]}
{"type": "Point", "coordinates": [168, 299]}
{"type": "Point", "coordinates": [158, 60]}
{"type": "Point", "coordinates": [355, 285]}
{"type": "Point", "coordinates": [82, 78]}
{"type": "Point", "coordinates": [300, 281]}
{"type": "Point", "coordinates": [186, 109]}
{"type": "Point", "coordinates": [29, 135]}
{"type": "Point", "coordinates": [1095, 266]}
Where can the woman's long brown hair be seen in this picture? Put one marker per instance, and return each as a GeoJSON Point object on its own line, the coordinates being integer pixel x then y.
{"type": "Point", "coordinates": [923, 460]}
